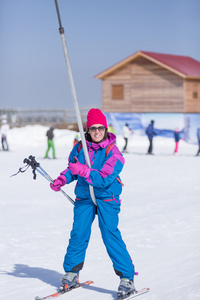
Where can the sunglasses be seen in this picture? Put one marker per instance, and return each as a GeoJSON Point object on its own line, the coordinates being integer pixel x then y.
{"type": "Point", "coordinates": [100, 128]}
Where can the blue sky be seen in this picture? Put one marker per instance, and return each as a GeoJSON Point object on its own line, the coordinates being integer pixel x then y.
{"type": "Point", "coordinates": [99, 33]}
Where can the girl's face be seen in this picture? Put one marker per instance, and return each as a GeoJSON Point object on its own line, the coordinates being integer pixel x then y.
{"type": "Point", "coordinates": [97, 132]}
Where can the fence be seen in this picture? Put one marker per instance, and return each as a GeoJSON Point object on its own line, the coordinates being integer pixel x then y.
{"type": "Point", "coordinates": [59, 117]}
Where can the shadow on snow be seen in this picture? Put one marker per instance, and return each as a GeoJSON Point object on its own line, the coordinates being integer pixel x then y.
{"type": "Point", "coordinates": [50, 277]}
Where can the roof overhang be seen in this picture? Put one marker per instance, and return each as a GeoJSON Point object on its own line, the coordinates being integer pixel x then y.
{"type": "Point", "coordinates": [133, 57]}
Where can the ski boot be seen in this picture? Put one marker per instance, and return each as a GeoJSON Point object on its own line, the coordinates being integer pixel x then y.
{"type": "Point", "coordinates": [69, 281]}
{"type": "Point", "coordinates": [126, 288]}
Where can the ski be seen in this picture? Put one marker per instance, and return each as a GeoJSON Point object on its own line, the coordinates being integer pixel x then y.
{"type": "Point", "coordinates": [138, 293]}
{"type": "Point", "coordinates": [59, 293]}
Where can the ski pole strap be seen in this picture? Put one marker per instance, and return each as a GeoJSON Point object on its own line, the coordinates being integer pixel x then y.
{"type": "Point", "coordinates": [21, 170]}
{"type": "Point", "coordinates": [30, 162]}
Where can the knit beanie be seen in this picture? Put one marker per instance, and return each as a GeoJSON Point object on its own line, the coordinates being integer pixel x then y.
{"type": "Point", "coordinates": [95, 116]}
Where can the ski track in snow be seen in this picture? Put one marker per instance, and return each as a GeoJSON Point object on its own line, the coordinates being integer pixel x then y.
{"type": "Point", "coordinates": [159, 221]}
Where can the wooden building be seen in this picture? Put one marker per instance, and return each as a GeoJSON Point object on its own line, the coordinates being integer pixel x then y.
{"type": "Point", "coordinates": [152, 82]}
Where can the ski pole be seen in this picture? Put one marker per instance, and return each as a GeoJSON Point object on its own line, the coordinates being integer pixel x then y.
{"type": "Point", "coordinates": [73, 90]}
{"type": "Point", "coordinates": [31, 162]}
{"type": "Point", "coordinates": [34, 164]}
{"type": "Point", "coordinates": [46, 176]}
{"type": "Point", "coordinates": [44, 173]}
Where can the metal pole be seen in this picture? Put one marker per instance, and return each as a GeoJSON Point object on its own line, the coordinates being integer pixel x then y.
{"type": "Point", "coordinates": [73, 90]}
{"type": "Point", "coordinates": [47, 177]}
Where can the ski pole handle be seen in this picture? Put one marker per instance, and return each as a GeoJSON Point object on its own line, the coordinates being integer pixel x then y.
{"type": "Point", "coordinates": [31, 162]}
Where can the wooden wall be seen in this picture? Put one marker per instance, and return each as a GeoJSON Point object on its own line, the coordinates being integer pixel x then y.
{"type": "Point", "coordinates": [149, 88]}
{"type": "Point", "coordinates": [192, 96]}
{"type": "Point", "coordinates": [155, 89]}
{"type": "Point", "coordinates": [122, 76]}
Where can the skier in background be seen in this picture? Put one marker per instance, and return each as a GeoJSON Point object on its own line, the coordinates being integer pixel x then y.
{"type": "Point", "coordinates": [104, 177]}
{"type": "Point", "coordinates": [4, 131]}
{"type": "Point", "coordinates": [76, 139]}
{"type": "Point", "coordinates": [111, 129]}
{"type": "Point", "coordinates": [198, 138]}
{"type": "Point", "coordinates": [150, 133]}
{"type": "Point", "coordinates": [177, 139]}
{"type": "Point", "coordinates": [50, 143]}
{"type": "Point", "coordinates": [126, 134]}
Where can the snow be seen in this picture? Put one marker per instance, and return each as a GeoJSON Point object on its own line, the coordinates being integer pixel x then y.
{"type": "Point", "coordinates": [159, 221]}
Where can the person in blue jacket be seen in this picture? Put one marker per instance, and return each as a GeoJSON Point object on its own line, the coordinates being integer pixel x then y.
{"type": "Point", "coordinates": [103, 176]}
{"type": "Point", "coordinates": [150, 134]}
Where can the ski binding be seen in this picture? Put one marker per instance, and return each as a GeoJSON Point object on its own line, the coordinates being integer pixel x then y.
{"type": "Point", "coordinates": [134, 294]}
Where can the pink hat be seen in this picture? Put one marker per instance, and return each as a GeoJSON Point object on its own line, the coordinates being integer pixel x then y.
{"type": "Point", "coordinates": [95, 116]}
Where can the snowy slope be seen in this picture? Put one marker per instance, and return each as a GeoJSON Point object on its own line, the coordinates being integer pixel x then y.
{"type": "Point", "coordinates": [159, 221]}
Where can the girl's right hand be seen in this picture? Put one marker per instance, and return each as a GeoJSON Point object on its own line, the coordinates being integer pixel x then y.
{"type": "Point", "coordinates": [58, 183]}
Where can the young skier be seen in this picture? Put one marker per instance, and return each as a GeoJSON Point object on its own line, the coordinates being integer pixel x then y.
{"type": "Point", "coordinates": [106, 164]}
{"type": "Point", "coordinates": [176, 139]}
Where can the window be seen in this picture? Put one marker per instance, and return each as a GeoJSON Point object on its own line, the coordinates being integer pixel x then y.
{"type": "Point", "coordinates": [117, 92]}
{"type": "Point", "coordinates": [195, 95]}
{"type": "Point", "coordinates": [195, 91]}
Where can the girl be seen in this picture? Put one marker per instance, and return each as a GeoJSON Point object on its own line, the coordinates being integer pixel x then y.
{"type": "Point", "coordinates": [177, 139]}
{"type": "Point", "coordinates": [106, 164]}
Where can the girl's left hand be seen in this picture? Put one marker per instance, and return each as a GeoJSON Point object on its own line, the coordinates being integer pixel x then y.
{"type": "Point", "coordinates": [79, 169]}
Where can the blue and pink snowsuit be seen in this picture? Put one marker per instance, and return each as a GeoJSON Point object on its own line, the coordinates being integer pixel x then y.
{"type": "Point", "coordinates": [104, 177]}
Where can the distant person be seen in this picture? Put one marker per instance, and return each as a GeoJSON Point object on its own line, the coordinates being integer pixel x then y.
{"type": "Point", "coordinates": [111, 129]}
{"type": "Point", "coordinates": [150, 134]}
{"type": "Point", "coordinates": [4, 131]}
{"type": "Point", "coordinates": [126, 134]}
{"type": "Point", "coordinates": [198, 138]}
{"type": "Point", "coordinates": [177, 139]}
{"type": "Point", "coordinates": [76, 139]}
{"type": "Point", "coordinates": [50, 143]}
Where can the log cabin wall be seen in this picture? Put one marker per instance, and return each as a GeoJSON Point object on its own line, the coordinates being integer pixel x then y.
{"type": "Point", "coordinates": [121, 77]}
{"type": "Point", "coordinates": [192, 96]}
{"type": "Point", "coordinates": [155, 89]}
{"type": "Point", "coordinates": [147, 87]}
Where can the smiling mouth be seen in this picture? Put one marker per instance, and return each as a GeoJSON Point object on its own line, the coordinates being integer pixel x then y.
{"type": "Point", "coordinates": [97, 135]}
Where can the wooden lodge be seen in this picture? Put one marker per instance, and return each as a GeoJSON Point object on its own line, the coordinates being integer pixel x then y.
{"type": "Point", "coordinates": [152, 82]}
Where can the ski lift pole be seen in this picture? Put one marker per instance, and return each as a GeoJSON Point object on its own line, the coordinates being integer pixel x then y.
{"type": "Point", "coordinates": [73, 90]}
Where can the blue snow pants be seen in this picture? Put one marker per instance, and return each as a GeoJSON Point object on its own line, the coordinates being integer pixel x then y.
{"type": "Point", "coordinates": [84, 214]}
